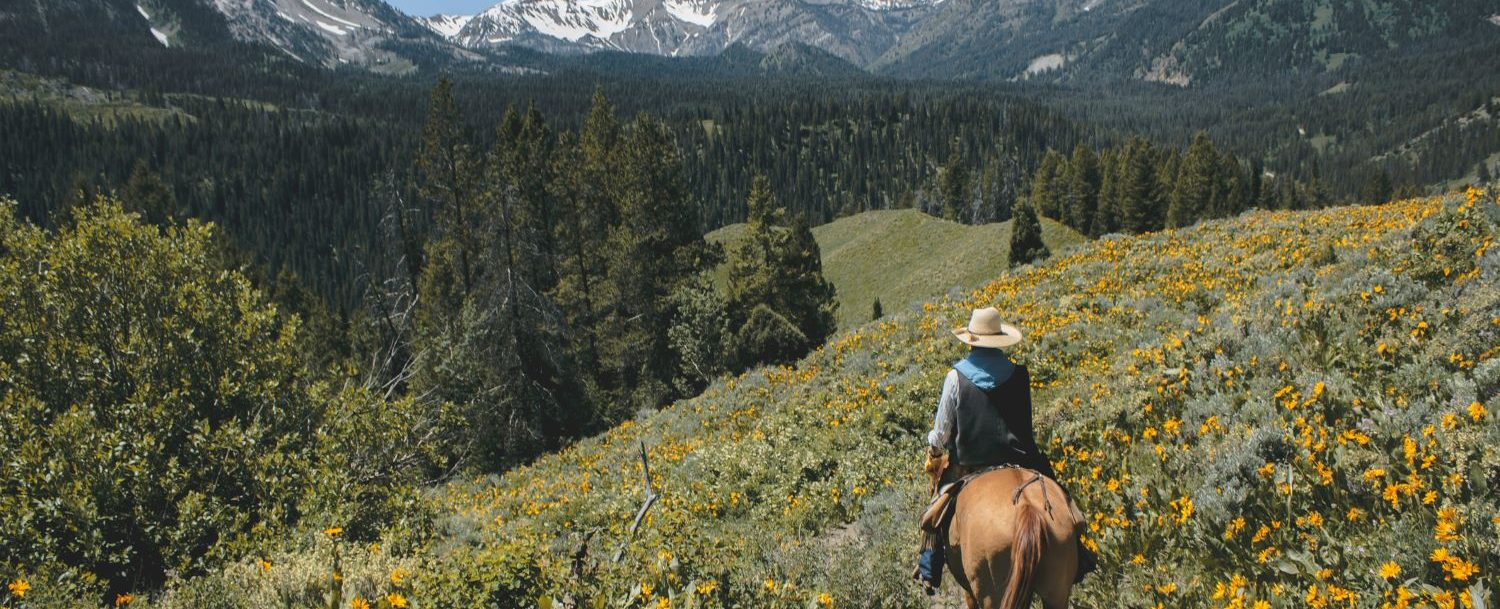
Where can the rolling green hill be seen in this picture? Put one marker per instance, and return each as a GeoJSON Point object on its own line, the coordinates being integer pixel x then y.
{"type": "Point", "coordinates": [904, 256]}
{"type": "Point", "coordinates": [1284, 409]}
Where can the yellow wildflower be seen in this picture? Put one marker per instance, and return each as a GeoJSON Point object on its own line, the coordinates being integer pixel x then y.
{"type": "Point", "coordinates": [1477, 411]}
{"type": "Point", "coordinates": [18, 588]}
{"type": "Point", "coordinates": [707, 588]}
{"type": "Point", "coordinates": [398, 575]}
{"type": "Point", "coordinates": [770, 584]}
{"type": "Point", "coordinates": [1460, 569]}
{"type": "Point", "coordinates": [1389, 570]}
{"type": "Point", "coordinates": [359, 602]}
{"type": "Point", "coordinates": [1446, 528]}
{"type": "Point", "coordinates": [333, 531]}
{"type": "Point", "coordinates": [395, 600]}
{"type": "Point", "coordinates": [1261, 534]}
{"type": "Point", "coordinates": [824, 600]}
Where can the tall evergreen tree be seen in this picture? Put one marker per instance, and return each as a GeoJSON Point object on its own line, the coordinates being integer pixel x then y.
{"type": "Point", "coordinates": [777, 265]}
{"type": "Point", "coordinates": [1197, 178]}
{"type": "Point", "coordinates": [1026, 244]}
{"type": "Point", "coordinates": [997, 189]}
{"type": "Point", "coordinates": [655, 246]}
{"type": "Point", "coordinates": [1083, 183]}
{"type": "Point", "coordinates": [1107, 215]}
{"type": "Point", "coordinates": [1048, 186]}
{"type": "Point", "coordinates": [447, 175]}
{"type": "Point", "coordinates": [953, 187]}
{"type": "Point", "coordinates": [1135, 188]}
{"type": "Point", "coordinates": [587, 208]}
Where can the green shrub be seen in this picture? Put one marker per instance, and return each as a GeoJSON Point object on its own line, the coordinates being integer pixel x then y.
{"type": "Point", "coordinates": [156, 417]}
{"type": "Point", "coordinates": [482, 578]}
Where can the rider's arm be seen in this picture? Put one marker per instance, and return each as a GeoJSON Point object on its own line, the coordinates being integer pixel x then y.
{"type": "Point", "coordinates": [947, 413]}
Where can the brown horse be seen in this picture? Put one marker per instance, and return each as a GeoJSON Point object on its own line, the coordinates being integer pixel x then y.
{"type": "Point", "coordinates": [1011, 534]}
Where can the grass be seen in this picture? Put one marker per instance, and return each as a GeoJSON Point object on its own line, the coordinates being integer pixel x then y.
{"type": "Point", "coordinates": [904, 257]}
{"type": "Point", "coordinates": [83, 104]}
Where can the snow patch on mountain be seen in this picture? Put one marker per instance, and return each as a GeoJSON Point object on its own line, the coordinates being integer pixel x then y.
{"type": "Point", "coordinates": [885, 5]}
{"type": "Point", "coordinates": [572, 20]}
{"type": "Point", "coordinates": [447, 26]}
{"type": "Point", "coordinates": [155, 33]}
{"type": "Point", "coordinates": [1044, 63]}
{"type": "Point", "coordinates": [702, 15]}
{"type": "Point", "coordinates": [852, 29]}
{"type": "Point", "coordinates": [324, 13]}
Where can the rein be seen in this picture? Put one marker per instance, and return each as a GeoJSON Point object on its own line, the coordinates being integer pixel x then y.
{"type": "Point", "coordinates": [1015, 498]}
{"type": "Point", "coordinates": [1036, 477]}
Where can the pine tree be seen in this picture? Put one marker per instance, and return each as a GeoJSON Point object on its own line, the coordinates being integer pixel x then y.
{"type": "Point", "coordinates": [145, 193]}
{"type": "Point", "coordinates": [1083, 183]}
{"type": "Point", "coordinates": [1107, 216]}
{"type": "Point", "coordinates": [1048, 186]}
{"type": "Point", "coordinates": [953, 187]}
{"type": "Point", "coordinates": [807, 297]}
{"type": "Point", "coordinates": [876, 312]}
{"type": "Point", "coordinates": [446, 176]}
{"type": "Point", "coordinates": [584, 190]}
{"type": "Point", "coordinates": [1193, 194]}
{"type": "Point", "coordinates": [1026, 244]}
{"type": "Point", "coordinates": [655, 246]}
{"type": "Point", "coordinates": [777, 265]}
{"type": "Point", "coordinates": [1135, 188]}
{"type": "Point", "coordinates": [1378, 189]}
{"type": "Point", "coordinates": [769, 337]}
{"type": "Point", "coordinates": [997, 189]}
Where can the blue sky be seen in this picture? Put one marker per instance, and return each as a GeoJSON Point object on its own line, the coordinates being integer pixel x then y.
{"type": "Point", "coordinates": [433, 7]}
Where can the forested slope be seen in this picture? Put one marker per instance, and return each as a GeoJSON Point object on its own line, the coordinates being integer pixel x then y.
{"type": "Point", "coordinates": [1280, 409]}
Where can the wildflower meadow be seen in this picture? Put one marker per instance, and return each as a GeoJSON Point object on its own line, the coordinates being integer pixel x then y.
{"type": "Point", "coordinates": [1282, 409]}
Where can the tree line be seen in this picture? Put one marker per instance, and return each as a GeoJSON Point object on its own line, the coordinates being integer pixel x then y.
{"type": "Point", "coordinates": [559, 282]}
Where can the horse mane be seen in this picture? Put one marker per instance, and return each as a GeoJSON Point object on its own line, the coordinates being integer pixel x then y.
{"type": "Point", "coordinates": [1025, 556]}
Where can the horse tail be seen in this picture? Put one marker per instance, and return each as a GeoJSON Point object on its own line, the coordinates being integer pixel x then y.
{"type": "Point", "coordinates": [1025, 557]}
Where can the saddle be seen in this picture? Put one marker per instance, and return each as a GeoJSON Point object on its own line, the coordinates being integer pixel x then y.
{"type": "Point", "coordinates": [939, 512]}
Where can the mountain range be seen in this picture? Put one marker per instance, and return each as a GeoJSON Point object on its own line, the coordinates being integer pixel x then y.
{"type": "Point", "coordinates": [1178, 42]}
{"type": "Point", "coordinates": [1169, 41]}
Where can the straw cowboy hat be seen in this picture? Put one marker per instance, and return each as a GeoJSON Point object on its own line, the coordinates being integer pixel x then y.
{"type": "Point", "coordinates": [986, 330]}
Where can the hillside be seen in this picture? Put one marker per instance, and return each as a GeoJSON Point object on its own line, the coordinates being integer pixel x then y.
{"type": "Point", "coordinates": [1282, 409]}
{"type": "Point", "coordinates": [893, 255]}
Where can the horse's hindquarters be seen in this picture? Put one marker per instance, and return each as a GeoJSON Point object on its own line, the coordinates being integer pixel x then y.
{"type": "Point", "coordinates": [989, 526]}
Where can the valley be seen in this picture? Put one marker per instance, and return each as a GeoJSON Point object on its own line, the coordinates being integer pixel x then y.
{"type": "Point", "coordinates": [565, 304]}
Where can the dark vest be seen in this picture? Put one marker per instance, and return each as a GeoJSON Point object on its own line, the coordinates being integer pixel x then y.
{"type": "Point", "coordinates": [994, 427]}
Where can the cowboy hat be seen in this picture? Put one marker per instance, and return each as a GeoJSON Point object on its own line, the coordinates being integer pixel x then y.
{"type": "Point", "coordinates": [985, 330]}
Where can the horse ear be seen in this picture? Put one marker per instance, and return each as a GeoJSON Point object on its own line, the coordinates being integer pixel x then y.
{"type": "Point", "coordinates": [935, 466]}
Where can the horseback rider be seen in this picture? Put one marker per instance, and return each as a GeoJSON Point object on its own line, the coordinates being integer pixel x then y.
{"type": "Point", "coordinates": [983, 421]}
